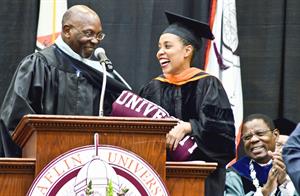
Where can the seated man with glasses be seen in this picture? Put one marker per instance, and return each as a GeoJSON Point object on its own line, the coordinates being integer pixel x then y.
{"type": "Point", "coordinates": [262, 171]}
{"type": "Point", "coordinates": [60, 79]}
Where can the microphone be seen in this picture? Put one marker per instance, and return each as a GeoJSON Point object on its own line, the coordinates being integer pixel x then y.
{"type": "Point", "coordinates": [101, 56]}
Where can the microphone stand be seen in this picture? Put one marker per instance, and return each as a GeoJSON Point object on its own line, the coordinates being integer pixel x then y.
{"type": "Point", "coordinates": [101, 112]}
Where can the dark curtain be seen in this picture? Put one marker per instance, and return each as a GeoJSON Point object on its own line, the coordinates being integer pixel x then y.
{"type": "Point", "coordinates": [269, 44]}
{"type": "Point", "coordinates": [18, 22]}
{"type": "Point", "coordinates": [270, 55]}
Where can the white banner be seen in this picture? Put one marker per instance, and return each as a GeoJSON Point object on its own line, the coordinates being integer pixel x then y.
{"type": "Point", "coordinates": [49, 24]}
{"type": "Point", "coordinates": [225, 44]}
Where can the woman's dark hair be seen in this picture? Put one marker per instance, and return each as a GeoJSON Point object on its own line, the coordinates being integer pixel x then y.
{"type": "Point", "coordinates": [196, 47]}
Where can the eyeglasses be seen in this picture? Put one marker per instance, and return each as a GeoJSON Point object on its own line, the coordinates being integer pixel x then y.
{"type": "Point", "coordinates": [90, 34]}
{"type": "Point", "coordinates": [257, 133]}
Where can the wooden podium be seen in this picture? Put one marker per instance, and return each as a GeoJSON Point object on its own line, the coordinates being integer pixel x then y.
{"type": "Point", "coordinates": [44, 137]}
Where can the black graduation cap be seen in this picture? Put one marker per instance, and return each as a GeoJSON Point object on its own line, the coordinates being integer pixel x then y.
{"type": "Point", "coordinates": [284, 125]}
{"type": "Point", "coordinates": [187, 28]}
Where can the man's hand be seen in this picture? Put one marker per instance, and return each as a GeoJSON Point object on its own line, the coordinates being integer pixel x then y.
{"type": "Point", "coordinates": [278, 163]}
{"type": "Point", "coordinates": [271, 183]}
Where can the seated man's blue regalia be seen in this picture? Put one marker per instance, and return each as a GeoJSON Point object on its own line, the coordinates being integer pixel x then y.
{"type": "Point", "coordinates": [242, 167]}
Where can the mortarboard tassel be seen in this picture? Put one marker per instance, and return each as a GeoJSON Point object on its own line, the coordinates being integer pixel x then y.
{"type": "Point", "coordinates": [219, 58]}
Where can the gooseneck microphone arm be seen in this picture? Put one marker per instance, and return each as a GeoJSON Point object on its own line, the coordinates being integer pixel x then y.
{"type": "Point", "coordinates": [101, 111]}
{"type": "Point", "coordinates": [100, 54]}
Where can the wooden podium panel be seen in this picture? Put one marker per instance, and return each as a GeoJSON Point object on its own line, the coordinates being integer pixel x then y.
{"type": "Point", "coordinates": [183, 178]}
{"type": "Point", "coordinates": [44, 137]}
{"type": "Point", "coordinates": [16, 175]}
{"type": "Point", "coordinates": [188, 178]}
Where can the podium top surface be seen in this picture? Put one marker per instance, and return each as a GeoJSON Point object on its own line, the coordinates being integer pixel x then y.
{"type": "Point", "coordinates": [38, 123]}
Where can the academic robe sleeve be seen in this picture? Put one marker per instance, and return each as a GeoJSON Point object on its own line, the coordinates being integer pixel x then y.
{"type": "Point", "coordinates": [214, 129]}
{"type": "Point", "coordinates": [234, 185]}
{"type": "Point", "coordinates": [18, 101]}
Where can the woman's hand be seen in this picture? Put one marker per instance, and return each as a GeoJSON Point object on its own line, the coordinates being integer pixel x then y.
{"type": "Point", "coordinates": [177, 133]}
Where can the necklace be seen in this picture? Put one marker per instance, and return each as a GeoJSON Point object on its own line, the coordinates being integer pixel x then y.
{"type": "Point", "coordinates": [253, 175]}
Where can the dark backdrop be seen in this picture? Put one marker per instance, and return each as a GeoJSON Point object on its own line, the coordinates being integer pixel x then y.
{"type": "Point", "coordinates": [269, 44]}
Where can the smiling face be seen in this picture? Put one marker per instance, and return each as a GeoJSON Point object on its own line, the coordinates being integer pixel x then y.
{"type": "Point", "coordinates": [173, 55]}
{"type": "Point", "coordinates": [80, 23]}
{"type": "Point", "coordinates": [257, 146]}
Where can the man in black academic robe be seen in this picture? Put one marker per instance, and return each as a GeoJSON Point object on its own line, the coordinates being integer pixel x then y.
{"type": "Point", "coordinates": [59, 79]}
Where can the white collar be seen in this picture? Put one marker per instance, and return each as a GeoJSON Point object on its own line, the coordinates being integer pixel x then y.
{"type": "Point", "coordinates": [66, 49]}
{"type": "Point", "coordinates": [264, 164]}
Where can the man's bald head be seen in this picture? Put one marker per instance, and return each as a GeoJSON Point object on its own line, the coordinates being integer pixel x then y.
{"type": "Point", "coordinates": [77, 12]}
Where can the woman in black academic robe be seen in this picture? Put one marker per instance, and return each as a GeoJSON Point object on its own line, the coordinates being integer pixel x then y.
{"type": "Point", "coordinates": [195, 98]}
